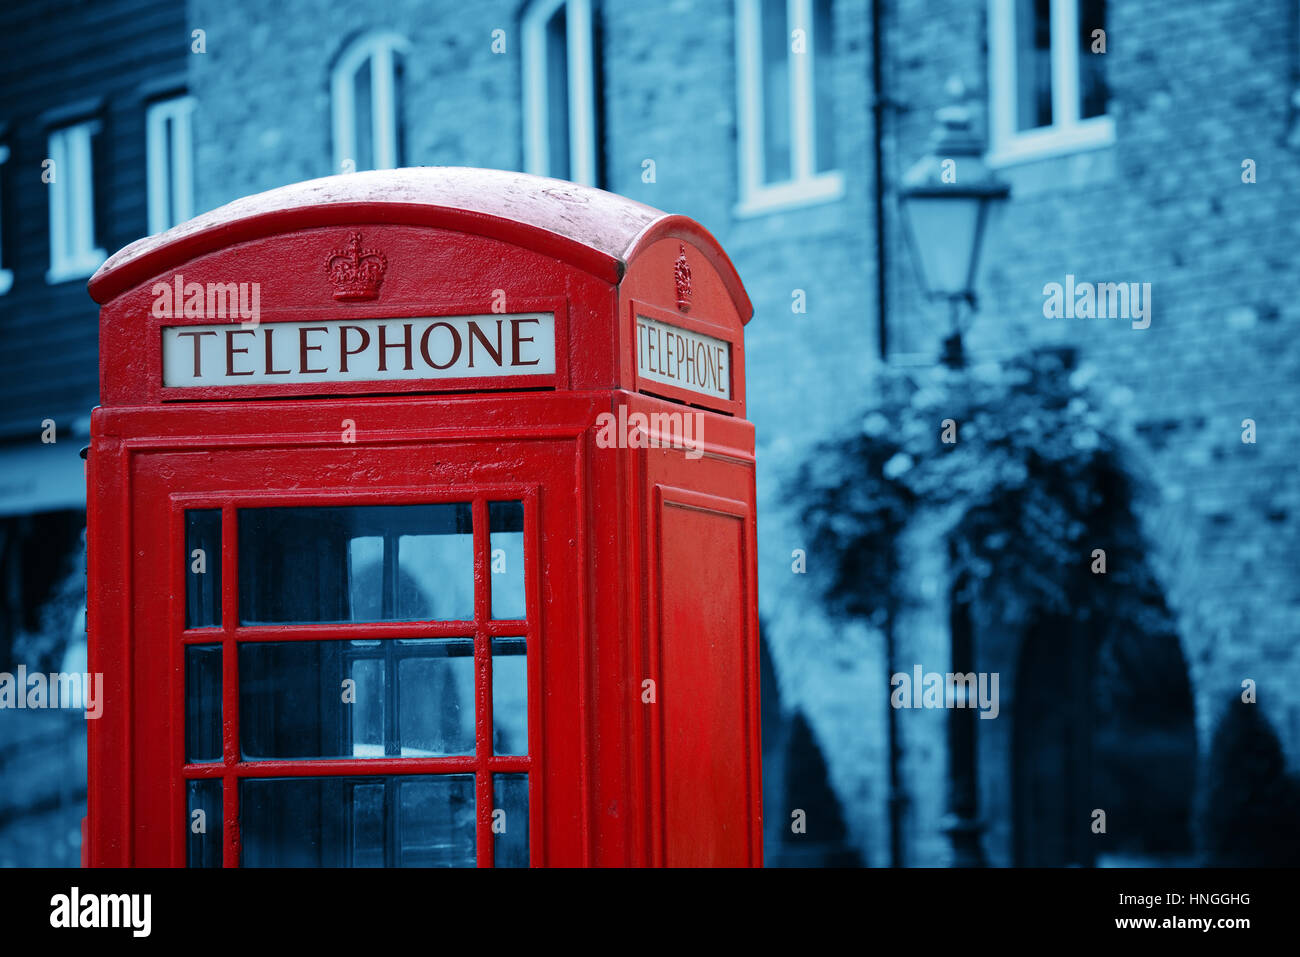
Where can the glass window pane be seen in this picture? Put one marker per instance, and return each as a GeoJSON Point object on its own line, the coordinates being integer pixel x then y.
{"type": "Point", "coordinates": [436, 826]}
{"type": "Point", "coordinates": [509, 696]}
{"type": "Point", "coordinates": [203, 823]}
{"type": "Point", "coordinates": [203, 568]}
{"type": "Point", "coordinates": [366, 578]}
{"type": "Point", "coordinates": [435, 680]}
{"type": "Point", "coordinates": [510, 828]}
{"type": "Point", "coordinates": [361, 563]}
{"type": "Point", "coordinates": [367, 707]}
{"type": "Point", "coordinates": [557, 95]}
{"type": "Point", "coordinates": [824, 84]}
{"type": "Point", "coordinates": [415, 821]}
{"type": "Point", "coordinates": [506, 541]}
{"type": "Point", "coordinates": [363, 105]}
{"type": "Point", "coordinates": [1092, 73]}
{"type": "Point", "coordinates": [436, 576]}
{"type": "Point", "coordinates": [367, 822]}
{"type": "Point", "coordinates": [776, 91]}
{"type": "Point", "coordinates": [1033, 64]}
{"type": "Point", "coordinates": [295, 702]}
{"type": "Point", "coordinates": [336, 699]}
{"type": "Point", "coordinates": [202, 703]}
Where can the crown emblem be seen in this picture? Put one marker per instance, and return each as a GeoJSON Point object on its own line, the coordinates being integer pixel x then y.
{"type": "Point", "coordinates": [355, 272]}
{"type": "Point", "coordinates": [682, 279]}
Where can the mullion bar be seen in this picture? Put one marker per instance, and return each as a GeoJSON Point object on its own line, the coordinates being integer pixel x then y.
{"type": "Point", "coordinates": [344, 631]}
{"type": "Point", "coordinates": [230, 752]}
{"type": "Point", "coordinates": [483, 680]}
{"type": "Point", "coordinates": [392, 702]}
{"type": "Point", "coordinates": [359, 767]}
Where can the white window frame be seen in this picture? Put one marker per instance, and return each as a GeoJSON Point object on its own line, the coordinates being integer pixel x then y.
{"type": "Point", "coordinates": [380, 49]}
{"type": "Point", "coordinates": [581, 56]}
{"type": "Point", "coordinates": [170, 173]}
{"type": "Point", "coordinates": [73, 253]}
{"type": "Point", "coordinates": [806, 186]}
{"type": "Point", "coordinates": [1068, 133]}
{"type": "Point", "coordinates": [6, 275]}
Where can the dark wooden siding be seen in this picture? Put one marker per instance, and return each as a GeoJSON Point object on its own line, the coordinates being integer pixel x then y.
{"type": "Point", "coordinates": [53, 55]}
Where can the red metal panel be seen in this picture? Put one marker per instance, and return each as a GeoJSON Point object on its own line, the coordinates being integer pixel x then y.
{"type": "Point", "coordinates": [700, 657]}
{"type": "Point", "coordinates": [702, 766]}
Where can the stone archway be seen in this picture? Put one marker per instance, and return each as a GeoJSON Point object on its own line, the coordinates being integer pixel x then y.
{"type": "Point", "coordinates": [1102, 725]}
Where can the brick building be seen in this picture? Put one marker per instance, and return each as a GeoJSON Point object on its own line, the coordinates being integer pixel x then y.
{"type": "Point", "coordinates": [93, 154]}
{"type": "Point", "coordinates": [784, 126]}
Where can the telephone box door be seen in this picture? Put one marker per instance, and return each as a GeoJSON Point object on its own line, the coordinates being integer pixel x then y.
{"type": "Point", "coordinates": [333, 673]}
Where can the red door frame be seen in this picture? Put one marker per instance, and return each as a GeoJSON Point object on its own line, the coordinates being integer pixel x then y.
{"type": "Point", "coordinates": [536, 466]}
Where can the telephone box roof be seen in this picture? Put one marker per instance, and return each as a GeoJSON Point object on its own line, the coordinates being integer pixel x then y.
{"type": "Point", "coordinates": [590, 228]}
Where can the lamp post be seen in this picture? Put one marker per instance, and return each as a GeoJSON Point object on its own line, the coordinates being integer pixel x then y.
{"type": "Point", "coordinates": [946, 200]}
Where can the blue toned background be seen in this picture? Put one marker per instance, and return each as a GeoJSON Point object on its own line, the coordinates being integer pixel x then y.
{"type": "Point", "coordinates": [1166, 155]}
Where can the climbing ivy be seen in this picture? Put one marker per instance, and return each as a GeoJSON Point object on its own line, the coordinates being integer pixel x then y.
{"type": "Point", "coordinates": [1021, 469]}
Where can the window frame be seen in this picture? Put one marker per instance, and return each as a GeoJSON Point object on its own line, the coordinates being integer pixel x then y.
{"type": "Point", "coordinates": [380, 49]}
{"type": "Point", "coordinates": [483, 763]}
{"type": "Point", "coordinates": [806, 186]}
{"type": "Point", "coordinates": [73, 250]}
{"type": "Point", "coordinates": [169, 173]}
{"type": "Point", "coordinates": [580, 61]}
{"type": "Point", "coordinates": [1068, 133]}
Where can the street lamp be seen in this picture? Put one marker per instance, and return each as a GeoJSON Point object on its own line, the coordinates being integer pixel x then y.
{"type": "Point", "coordinates": [946, 198]}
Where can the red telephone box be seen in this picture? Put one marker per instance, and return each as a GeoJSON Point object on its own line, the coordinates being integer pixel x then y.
{"type": "Point", "coordinates": [421, 532]}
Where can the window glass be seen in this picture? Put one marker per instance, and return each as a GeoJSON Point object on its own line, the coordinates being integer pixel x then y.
{"type": "Point", "coordinates": [364, 122]}
{"type": "Point", "coordinates": [557, 93]}
{"type": "Point", "coordinates": [776, 91]}
{"type": "Point", "coordinates": [367, 709]}
{"type": "Point", "coordinates": [436, 575]}
{"type": "Point", "coordinates": [1033, 64]}
{"type": "Point", "coordinates": [437, 821]}
{"type": "Point", "coordinates": [436, 689]}
{"type": "Point", "coordinates": [203, 823]}
{"type": "Point", "coordinates": [359, 563]}
{"type": "Point", "coordinates": [823, 85]}
{"type": "Point", "coordinates": [1092, 75]}
{"type": "Point", "coordinates": [412, 821]}
{"type": "Point", "coordinates": [202, 703]}
{"type": "Point", "coordinates": [203, 568]}
{"type": "Point", "coordinates": [366, 577]}
{"type": "Point", "coordinates": [509, 696]}
{"type": "Point", "coordinates": [510, 839]}
{"type": "Point", "coordinates": [368, 841]}
{"type": "Point", "coordinates": [506, 541]}
{"type": "Point", "coordinates": [355, 699]}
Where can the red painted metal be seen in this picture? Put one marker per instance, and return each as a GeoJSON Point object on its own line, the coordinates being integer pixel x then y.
{"type": "Point", "coordinates": [639, 561]}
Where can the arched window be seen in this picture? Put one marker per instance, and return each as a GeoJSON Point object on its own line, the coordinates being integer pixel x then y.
{"type": "Point", "coordinates": [559, 69]}
{"type": "Point", "coordinates": [364, 92]}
